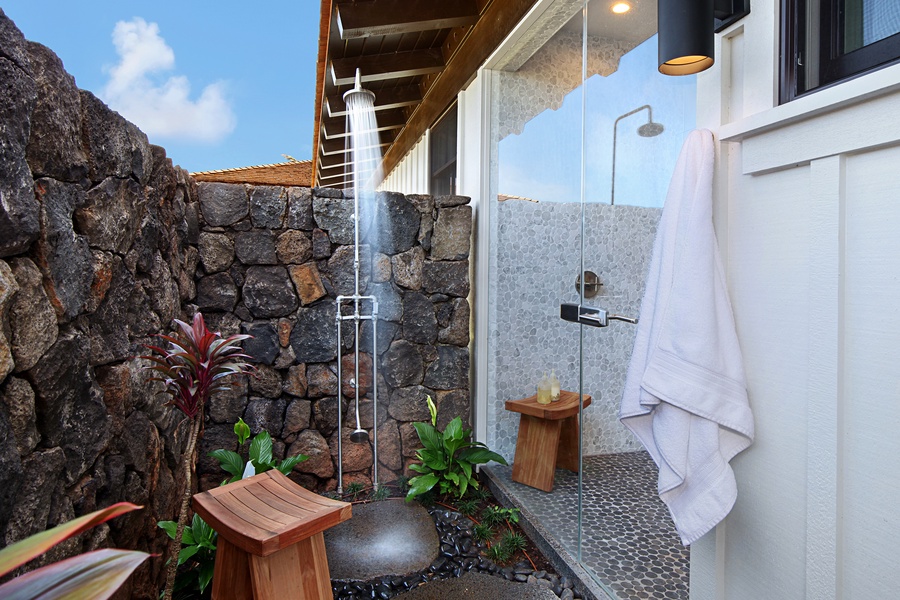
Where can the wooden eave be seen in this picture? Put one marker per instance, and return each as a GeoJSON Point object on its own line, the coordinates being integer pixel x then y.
{"type": "Point", "coordinates": [414, 56]}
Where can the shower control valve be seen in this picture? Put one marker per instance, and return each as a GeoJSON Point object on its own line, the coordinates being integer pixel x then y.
{"type": "Point", "coordinates": [589, 315]}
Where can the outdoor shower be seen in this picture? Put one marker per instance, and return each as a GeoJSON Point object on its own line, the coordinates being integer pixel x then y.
{"type": "Point", "coordinates": [364, 160]}
{"type": "Point", "coordinates": [648, 129]}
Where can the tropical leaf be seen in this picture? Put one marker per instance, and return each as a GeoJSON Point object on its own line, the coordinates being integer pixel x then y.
{"type": "Point", "coordinates": [288, 464]}
{"type": "Point", "coordinates": [18, 554]}
{"type": "Point", "coordinates": [453, 431]}
{"type": "Point", "coordinates": [92, 576]}
{"type": "Point", "coordinates": [261, 451]}
{"type": "Point", "coordinates": [187, 551]}
{"type": "Point", "coordinates": [170, 527]}
{"type": "Point", "coordinates": [421, 484]}
{"type": "Point", "coordinates": [206, 575]}
{"type": "Point", "coordinates": [229, 461]}
{"type": "Point", "coordinates": [480, 456]}
{"type": "Point", "coordinates": [429, 436]}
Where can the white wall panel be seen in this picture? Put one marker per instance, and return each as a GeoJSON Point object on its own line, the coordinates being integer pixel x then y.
{"type": "Point", "coordinates": [870, 435]}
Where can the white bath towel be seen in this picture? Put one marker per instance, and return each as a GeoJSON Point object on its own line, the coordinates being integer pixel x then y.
{"type": "Point", "coordinates": [685, 395]}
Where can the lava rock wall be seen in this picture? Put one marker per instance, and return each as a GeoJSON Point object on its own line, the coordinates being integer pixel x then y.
{"type": "Point", "coordinates": [98, 235]}
{"type": "Point", "coordinates": [272, 262]}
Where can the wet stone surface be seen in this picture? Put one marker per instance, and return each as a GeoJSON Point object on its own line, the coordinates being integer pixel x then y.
{"type": "Point", "coordinates": [457, 558]}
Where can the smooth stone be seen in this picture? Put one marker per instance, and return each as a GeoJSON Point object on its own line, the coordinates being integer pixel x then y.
{"type": "Point", "coordinates": [478, 586]}
{"type": "Point", "coordinates": [363, 548]}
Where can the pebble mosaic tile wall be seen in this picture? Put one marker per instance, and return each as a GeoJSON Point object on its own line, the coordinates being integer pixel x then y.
{"type": "Point", "coordinates": [537, 261]}
{"type": "Point", "coordinates": [629, 541]}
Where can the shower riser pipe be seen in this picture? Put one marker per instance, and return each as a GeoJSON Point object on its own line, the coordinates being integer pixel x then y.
{"type": "Point", "coordinates": [357, 317]}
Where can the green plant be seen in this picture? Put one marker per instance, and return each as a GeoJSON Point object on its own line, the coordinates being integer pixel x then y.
{"type": "Point", "coordinates": [259, 455]}
{"type": "Point", "coordinates": [198, 550]}
{"type": "Point", "coordinates": [193, 366]}
{"type": "Point", "coordinates": [381, 493]}
{"type": "Point", "coordinates": [467, 507]}
{"type": "Point", "coordinates": [403, 484]}
{"type": "Point", "coordinates": [447, 457]}
{"type": "Point", "coordinates": [495, 515]}
{"type": "Point", "coordinates": [498, 553]}
{"type": "Point", "coordinates": [513, 541]}
{"type": "Point", "coordinates": [354, 489]}
{"type": "Point", "coordinates": [92, 576]}
{"type": "Point", "coordinates": [482, 532]}
{"type": "Point", "coordinates": [479, 494]}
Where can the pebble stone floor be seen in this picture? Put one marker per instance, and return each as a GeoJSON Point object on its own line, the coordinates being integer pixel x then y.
{"type": "Point", "coordinates": [630, 542]}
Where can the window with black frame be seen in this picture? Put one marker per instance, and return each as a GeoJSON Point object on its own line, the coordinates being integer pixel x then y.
{"type": "Point", "coordinates": [828, 41]}
{"type": "Point", "coordinates": [443, 154]}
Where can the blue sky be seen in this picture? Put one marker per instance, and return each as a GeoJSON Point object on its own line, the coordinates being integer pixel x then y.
{"type": "Point", "coordinates": [218, 84]}
{"type": "Point", "coordinates": [643, 165]}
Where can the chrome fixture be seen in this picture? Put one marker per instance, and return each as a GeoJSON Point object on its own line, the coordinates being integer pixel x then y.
{"type": "Point", "coordinates": [589, 315]}
{"type": "Point", "coordinates": [592, 284]}
{"type": "Point", "coordinates": [360, 111]}
{"type": "Point", "coordinates": [648, 129]}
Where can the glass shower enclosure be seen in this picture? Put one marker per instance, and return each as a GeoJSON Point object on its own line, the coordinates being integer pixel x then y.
{"type": "Point", "coordinates": [585, 135]}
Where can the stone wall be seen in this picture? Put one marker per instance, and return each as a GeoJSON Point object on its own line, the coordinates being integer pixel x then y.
{"type": "Point", "coordinates": [103, 243]}
{"type": "Point", "coordinates": [96, 227]}
{"type": "Point", "coordinates": [272, 262]}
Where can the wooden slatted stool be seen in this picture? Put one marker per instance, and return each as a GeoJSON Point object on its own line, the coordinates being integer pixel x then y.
{"type": "Point", "coordinates": [270, 538]}
{"type": "Point", "coordinates": [548, 438]}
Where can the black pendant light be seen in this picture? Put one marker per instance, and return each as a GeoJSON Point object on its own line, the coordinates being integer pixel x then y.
{"type": "Point", "coordinates": [686, 40]}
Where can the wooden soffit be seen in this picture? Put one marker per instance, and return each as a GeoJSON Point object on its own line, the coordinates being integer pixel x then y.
{"type": "Point", "coordinates": [414, 55]}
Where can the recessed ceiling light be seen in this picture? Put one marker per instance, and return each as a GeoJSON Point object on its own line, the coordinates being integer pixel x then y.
{"type": "Point", "coordinates": [621, 7]}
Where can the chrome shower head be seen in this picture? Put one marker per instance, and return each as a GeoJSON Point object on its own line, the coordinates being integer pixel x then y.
{"type": "Point", "coordinates": [359, 436]}
{"type": "Point", "coordinates": [650, 129]}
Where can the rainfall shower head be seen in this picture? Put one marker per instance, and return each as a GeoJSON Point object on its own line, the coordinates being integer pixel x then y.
{"type": "Point", "coordinates": [359, 436]}
{"type": "Point", "coordinates": [358, 89]}
{"type": "Point", "coordinates": [650, 129]}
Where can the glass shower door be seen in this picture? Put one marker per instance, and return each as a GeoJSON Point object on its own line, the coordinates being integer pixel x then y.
{"type": "Point", "coordinates": [580, 188]}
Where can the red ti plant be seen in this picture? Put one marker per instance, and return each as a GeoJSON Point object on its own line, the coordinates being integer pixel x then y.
{"type": "Point", "coordinates": [195, 364]}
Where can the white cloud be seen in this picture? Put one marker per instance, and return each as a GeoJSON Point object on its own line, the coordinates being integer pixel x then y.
{"type": "Point", "coordinates": [162, 108]}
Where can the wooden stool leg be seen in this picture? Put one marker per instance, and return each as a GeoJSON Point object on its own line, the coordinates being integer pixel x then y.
{"type": "Point", "coordinates": [298, 572]}
{"type": "Point", "coordinates": [536, 449]}
{"type": "Point", "coordinates": [231, 579]}
{"type": "Point", "coordinates": [567, 457]}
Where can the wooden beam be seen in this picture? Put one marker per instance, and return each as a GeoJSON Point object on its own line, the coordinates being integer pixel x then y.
{"type": "Point", "coordinates": [336, 127]}
{"type": "Point", "coordinates": [378, 67]}
{"type": "Point", "coordinates": [388, 17]}
{"type": "Point", "coordinates": [495, 23]}
{"type": "Point", "coordinates": [324, 35]}
{"type": "Point", "coordinates": [339, 145]}
{"type": "Point", "coordinates": [386, 99]}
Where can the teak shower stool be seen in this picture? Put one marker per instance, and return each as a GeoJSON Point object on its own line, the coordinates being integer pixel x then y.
{"type": "Point", "coordinates": [270, 544]}
{"type": "Point", "coordinates": [548, 438]}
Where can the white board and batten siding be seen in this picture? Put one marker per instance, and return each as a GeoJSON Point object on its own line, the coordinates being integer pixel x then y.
{"type": "Point", "coordinates": [808, 219]}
